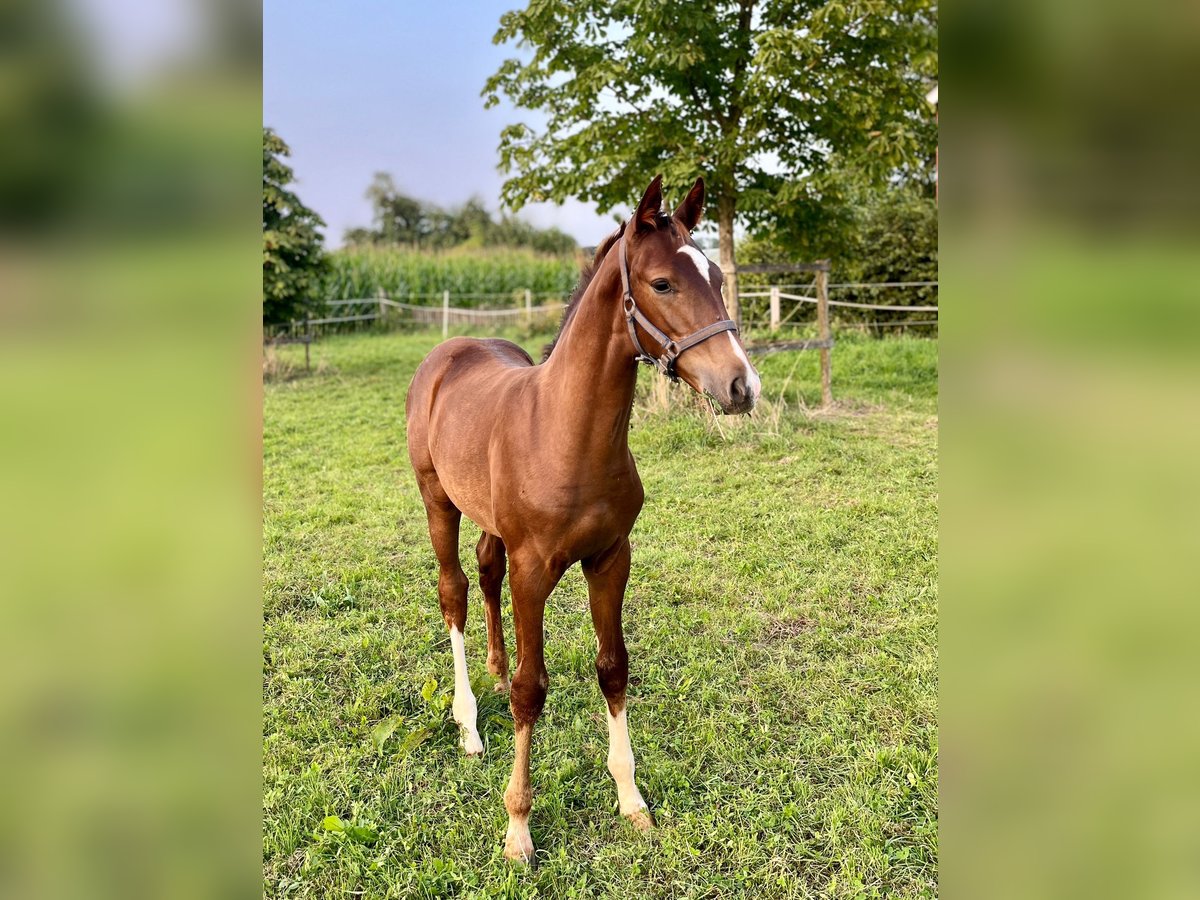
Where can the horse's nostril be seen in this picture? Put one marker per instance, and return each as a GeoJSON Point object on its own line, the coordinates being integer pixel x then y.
{"type": "Point", "coordinates": [739, 390]}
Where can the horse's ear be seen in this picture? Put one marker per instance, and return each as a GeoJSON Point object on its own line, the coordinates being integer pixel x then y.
{"type": "Point", "coordinates": [689, 211]}
{"type": "Point", "coordinates": [646, 217]}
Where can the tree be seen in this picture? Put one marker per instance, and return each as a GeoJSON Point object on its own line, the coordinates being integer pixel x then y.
{"type": "Point", "coordinates": [472, 223]}
{"type": "Point", "coordinates": [400, 219]}
{"type": "Point", "coordinates": [847, 225]}
{"type": "Point", "coordinates": [756, 95]}
{"type": "Point", "coordinates": [293, 259]}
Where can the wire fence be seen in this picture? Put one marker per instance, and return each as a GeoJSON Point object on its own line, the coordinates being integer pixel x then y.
{"type": "Point", "coordinates": [436, 310]}
{"type": "Point", "coordinates": [762, 309]}
{"type": "Point", "coordinates": [764, 320]}
{"type": "Point", "coordinates": [851, 304]}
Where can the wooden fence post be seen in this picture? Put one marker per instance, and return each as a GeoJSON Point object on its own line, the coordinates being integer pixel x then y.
{"type": "Point", "coordinates": [528, 307]}
{"type": "Point", "coordinates": [445, 314]}
{"type": "Point", "coordinates": [774, 308]}
{"type": "Point", "coordinates": [382, 296]}
{"type": "Point", "coordinates": [822, 283]}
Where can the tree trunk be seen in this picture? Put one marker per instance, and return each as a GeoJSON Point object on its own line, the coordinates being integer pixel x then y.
{"type": "Point", "coordinates": [726, 210]}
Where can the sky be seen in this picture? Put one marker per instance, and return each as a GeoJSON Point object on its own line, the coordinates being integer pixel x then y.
{"type": "Point", "coordinates": [394, 86]}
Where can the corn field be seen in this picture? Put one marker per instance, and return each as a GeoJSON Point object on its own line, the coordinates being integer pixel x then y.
{"type": "Point", "coordinates": [420, 276]}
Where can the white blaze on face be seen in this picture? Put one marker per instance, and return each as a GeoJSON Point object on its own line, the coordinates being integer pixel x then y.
{"type": "Point", "coordinates": [620, 764]}
{"type": "Point", "coordinates": [703, 264]}
{"type": "Point", "coordinates": [697, 256]}
{"type": "Point", "coordinates": [464, 708]}
{"type": "Point", "coordinates": [752, 378]}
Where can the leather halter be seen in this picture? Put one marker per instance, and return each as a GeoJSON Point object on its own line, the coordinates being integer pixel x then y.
{"type": "Point", "coordinates": [671, 348]}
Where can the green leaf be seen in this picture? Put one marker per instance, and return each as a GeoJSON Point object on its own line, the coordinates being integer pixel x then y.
{"type": "Point", "coordinates": [427, 690]}
{"type": "Point", "coordinates": [384, 730]}
{"type": "Point", "coordinates": [361, 834]}
{"type": "Point", "coordinates": [333, 823]}
{"type": "Point", "coordinates": [413, 739]}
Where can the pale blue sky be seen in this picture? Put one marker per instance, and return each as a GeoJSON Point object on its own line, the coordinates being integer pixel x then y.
{"type": "Point", "coordinates": [393, 85]}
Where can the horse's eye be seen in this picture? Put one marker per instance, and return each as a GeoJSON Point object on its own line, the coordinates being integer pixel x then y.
{"type": "Point", "coordinates": [661, 285]}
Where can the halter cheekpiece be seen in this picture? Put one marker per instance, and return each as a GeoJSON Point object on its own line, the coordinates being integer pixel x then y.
{"type": "Point", "coordinates": [672, 349]}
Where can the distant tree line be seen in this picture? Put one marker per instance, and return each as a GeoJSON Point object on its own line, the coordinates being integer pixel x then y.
{"type": "Point", "coordinates": [401, 220]}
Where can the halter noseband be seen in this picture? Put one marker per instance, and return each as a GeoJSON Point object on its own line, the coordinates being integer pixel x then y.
{"type": "Point", "coordinates": [671, 348]}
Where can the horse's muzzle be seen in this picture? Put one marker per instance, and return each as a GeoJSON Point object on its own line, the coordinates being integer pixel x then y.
{"type": "Point", "coordinates": [741, 394]}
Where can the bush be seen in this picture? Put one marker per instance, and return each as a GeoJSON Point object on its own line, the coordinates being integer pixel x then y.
{"type": "Point", "coordinates": [888, 237]}
{"type": "Point", "coordinates": [897, 241]}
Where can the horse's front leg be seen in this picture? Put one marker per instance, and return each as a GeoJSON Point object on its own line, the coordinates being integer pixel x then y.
{"type": "Point", "coordinates": [531, 579]}
{"type": "Point", "coordinates": [607, 575]}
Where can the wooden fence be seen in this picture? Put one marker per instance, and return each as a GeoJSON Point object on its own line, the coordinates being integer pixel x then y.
{"type": "Point", "coordinates": [384, 308]}
{"type": "Point", "coordinates": [824, 341]}
{"type": "Point", "coordinates": [820, 289]}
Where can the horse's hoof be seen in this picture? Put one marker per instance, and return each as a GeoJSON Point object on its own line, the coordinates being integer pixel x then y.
{"type": "Point", "coordinates": [641, 819]}
{"type": "Point", "coordinates": [518, 848]}
{"type": "Point", "coordinates": [501, 686]}
{"type": "Point", "coordinates": [473, 746]}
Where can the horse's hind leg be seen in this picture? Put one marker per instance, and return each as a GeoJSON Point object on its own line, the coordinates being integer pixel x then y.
{"type": "Point", "coordinates": [490, 553]}
{"type": "Point", "coordinates": [444, 518]}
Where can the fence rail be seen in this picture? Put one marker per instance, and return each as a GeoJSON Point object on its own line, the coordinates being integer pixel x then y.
{"type": "Point", "coordinates": [882, 284]}
{"type": "Point", "coordinates": [815, 292]}
{"type": "Point", "coordinates": [429, 314]}
{"type": "Point", "coordinates": [803, 299]}
{"type": "Point", "coordinates": [335, 320]}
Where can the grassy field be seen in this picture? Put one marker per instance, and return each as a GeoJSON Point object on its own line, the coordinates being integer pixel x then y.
{"type": "Point", "coordinates": [781, 620]}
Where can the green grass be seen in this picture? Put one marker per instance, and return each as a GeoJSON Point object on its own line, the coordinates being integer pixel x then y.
{"type": "Point", "coordinates": [781, 623]}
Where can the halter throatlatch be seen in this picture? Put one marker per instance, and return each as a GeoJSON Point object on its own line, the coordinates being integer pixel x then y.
{"type": "Point", "coordinates": [671, 348]}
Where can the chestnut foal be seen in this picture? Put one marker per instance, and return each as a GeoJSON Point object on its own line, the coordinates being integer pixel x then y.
{"type": "Point", "coordinates": [538, 457]}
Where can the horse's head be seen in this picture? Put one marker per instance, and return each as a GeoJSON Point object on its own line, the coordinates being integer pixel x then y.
{"type": "Point", "coordinates": [678, 289]}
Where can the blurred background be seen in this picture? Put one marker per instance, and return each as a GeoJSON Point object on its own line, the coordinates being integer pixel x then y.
{"type": "Point", "coordinates": [129, 462]}
{"type": "Point", "coordinates": [1069, 223]}
{"type": "Point", "coordinates": [132, 311]}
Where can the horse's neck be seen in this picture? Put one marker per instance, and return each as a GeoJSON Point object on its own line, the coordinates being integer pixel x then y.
{"type": "Point", "coordinates": [590, 373]}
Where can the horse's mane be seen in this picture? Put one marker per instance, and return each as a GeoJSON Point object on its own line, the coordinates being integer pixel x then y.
{"type": "Point", "coordinates": [661, 220]}
{"type": "Point", "coordinates": [585, 278]}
